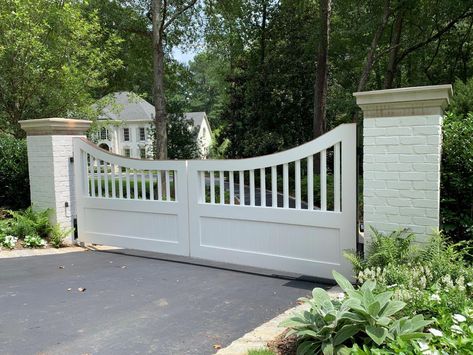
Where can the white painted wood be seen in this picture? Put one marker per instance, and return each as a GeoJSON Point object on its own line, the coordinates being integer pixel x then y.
{"type": "Point", "coordinates": [263, 186]}
{"type": "Point", "coordinates": [99, 177]}
{"type": "Point", "coordinates": [128, 187]}
{"type": "Point", "coordinates": [274, 186]}
{"type": "Point", "coordinates": [160, 185]}
{"type": "Point", "coordinates": [241, 183]}
{"type": "Point", "coordinates": [143, 185]}
{"type": "Point", "coordinates": [232, 187]}
{"type": "Point", "coordinates": [310, 182]}
{"type": "Point", "coordinates": [203, 198]}
{"type": "Point", "coordinates": [323, 180]}
{"type": "Point", "coordinates": [285, 185]}
{"type": "Point", "coordinates": [120, 181]}
{"type": "Point", "coordinates": [304, 241]}
{"type": "Point", "coordinates": [336, 177]}
{"type": "Point", "coordinates": [221, 187]}
{"type": "Point", "coordinates": [298, 184]}
{"type": "Point", "coordinates": [105, 177]}
{"type": "Point", "coordinates": [114, 192]}
{"type": "Point", "coordinates": [92, 175]}
{"type": "Point", "coordinates": [168, 187]}
{"type": "Point", "coordinates": [212, 187]}
{"type": "Point", "coordinates": [151, 185]}
{"type": "Point", "coordinates": [135, 184]}
{"type": "Point", "coordinates": [252, 187]}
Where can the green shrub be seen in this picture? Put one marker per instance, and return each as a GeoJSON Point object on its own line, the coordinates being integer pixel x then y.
{"type": "Point", "coordinates": [364, 317]}
{"type": "Point", "coordinates": [30, 222]}
{"type": "Point", "coordinates": [457, 177]}
{"type": "Point", "coordinates": [34, 241]}
{"type": "Point", "coordinates": [14, 180]}
{"type": "Point", "coordinates": [57, 235]}
{"type": "Point", "coordinates": [8, 241]}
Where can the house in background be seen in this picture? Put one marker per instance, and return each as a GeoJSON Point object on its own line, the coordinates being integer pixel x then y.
{"type": "Point", "coordinates": [130, 118]}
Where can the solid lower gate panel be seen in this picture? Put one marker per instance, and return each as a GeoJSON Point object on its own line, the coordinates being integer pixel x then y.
{"type": "Point", "coordinates": [131, 203]}
{"type": "Point", "coordinates": [293, 211]}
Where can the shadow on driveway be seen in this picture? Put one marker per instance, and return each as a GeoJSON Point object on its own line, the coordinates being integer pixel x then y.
{"type": "Point", "coordinates": [132, 304]}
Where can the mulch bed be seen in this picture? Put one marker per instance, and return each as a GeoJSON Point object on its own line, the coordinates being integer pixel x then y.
{"type": "Point", "coordinates": [283, 345]}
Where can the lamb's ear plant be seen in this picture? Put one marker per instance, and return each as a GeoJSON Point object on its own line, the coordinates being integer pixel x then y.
{"type": "Point", "coordinates": [364, 317]}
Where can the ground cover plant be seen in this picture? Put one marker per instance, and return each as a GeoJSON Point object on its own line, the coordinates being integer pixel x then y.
{"type": "Point", "coordinates": [411, 298]}
{"type": "Point", "coordinates": [30, 228]}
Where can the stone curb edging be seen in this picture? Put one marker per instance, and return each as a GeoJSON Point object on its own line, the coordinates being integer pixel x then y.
{"type": "Point", "coordinates": [260, 336]}
{"type": "Point", "coordinates": [18, 253]}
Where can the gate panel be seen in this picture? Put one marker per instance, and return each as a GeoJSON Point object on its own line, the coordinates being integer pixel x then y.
{"type": "Point", "coordinates": [131, 203]}
{"type": "Point", "coordinates": [277, 211]}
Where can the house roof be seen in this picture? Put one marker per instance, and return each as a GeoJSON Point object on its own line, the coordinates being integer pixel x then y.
{"type": "Point", "coordinates": [127, 106]}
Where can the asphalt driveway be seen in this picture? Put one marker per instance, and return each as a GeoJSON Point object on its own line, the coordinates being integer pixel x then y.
{"type": "Point", "coordinates": [131, 304]}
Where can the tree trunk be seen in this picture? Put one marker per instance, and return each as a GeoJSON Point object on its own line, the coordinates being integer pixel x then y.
{"type": "Point", "coordinates": [161, 140]}
{"type": "Point", "coordinates": [395, 43]}
{"type": "Point", "coordinates": [320, 95]}
{"type": "Point", "coordinates": [374, 44]}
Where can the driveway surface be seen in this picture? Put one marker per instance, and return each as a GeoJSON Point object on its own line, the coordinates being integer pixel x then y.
{"type": "Point", "coordinates": [131, 304]}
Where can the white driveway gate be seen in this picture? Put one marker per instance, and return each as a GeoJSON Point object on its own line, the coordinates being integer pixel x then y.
{"type": "Point", "coordinates": [272, 212]}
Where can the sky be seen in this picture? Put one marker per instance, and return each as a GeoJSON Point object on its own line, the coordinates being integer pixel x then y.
{"type": "Point", "coordinates": [183, 56]}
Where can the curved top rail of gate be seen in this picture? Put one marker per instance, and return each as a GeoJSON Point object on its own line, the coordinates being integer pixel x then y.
{"type": "Point", "coordinates": [107, 175]}
{"type": "Point", "coordinates": [305, 177]}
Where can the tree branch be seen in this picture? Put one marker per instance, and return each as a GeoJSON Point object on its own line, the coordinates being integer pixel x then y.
{"type": "Point", "coordinates": [434, 37]}
{"type": "Point", "coordinates": [179, 13]}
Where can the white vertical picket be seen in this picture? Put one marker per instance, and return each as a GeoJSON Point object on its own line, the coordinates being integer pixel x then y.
{"type": "Point", "coordinates": [221, 183]}
{"type": "Point", "coordinates": [298, 184]}
{"type": "Point", "coordinates": [310, 182]}
{"type": "Point", "coordinates": [285, 182]}
{"type": "Point", "coordinates": [135, 184]}
{"type": "Point", "coordinates": [263, 187]}
{"type": "Point", "coordinates": [168, 187]}
{"type": "Point", "coordinates": [151, 185]}
{"type": "Point", "coordinates": [252, 187]}
{"type": "Point", "coordinates": [212, 187]}
{"type": "Point", "coordinates": [99, 177]}
{"type": "Point", "coordinates": [159, 179]}
{"type": "Point", "coordinates": [128, 189]}
{"type": "Point", "coordinates": [323, 180]}
{"type": "Point", "coordinates": [143, 185]}
{"type": "Point", "coordinates": [274, 187]}
{"type": "Point", "coordinates": [336, 177]}
{"type": "Point", "coordinates": [105, 178]}
{"type": "Point", "coordinates": [114, 189]}
{"type": "Point", "coordinates": [202, 187]}
{"type": "Point", "coordinates": [241, 183]}
{"type": "Point", "coordinates": [232, 187]}
{"type": "Point", "coordinates": [92, 175]}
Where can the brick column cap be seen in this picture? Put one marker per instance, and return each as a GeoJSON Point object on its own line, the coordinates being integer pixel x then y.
{"type": "Point", "coordinates": [403, 102]}
{"type": "Point", "coordinates": [55, 127]}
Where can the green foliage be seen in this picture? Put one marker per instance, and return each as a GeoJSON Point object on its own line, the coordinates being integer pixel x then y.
{"type": "Point", "coordinates": [34, 241]}
{"type": "Point", "coordinates": [30, 222]}
{"type": "Point", "coordinates": [14, 179]}
{"type": "Point", "coordinates": [57, 235]}
{"type": "Point", "coordinates": [183, 142]}
{"type": "Point", "coordinates": [364, 317]}
{"type": "Point", "coordinates": [260, 352]}
{"type": "Point", "coordinates": [457, 175]}
{"type": "Point", "coordinates": [52, 57]}
{"type": "Point", "coordinates": [8, 241]}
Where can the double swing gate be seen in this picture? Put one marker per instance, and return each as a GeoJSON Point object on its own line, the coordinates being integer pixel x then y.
{"type": "Point", "coordinates": [293, 211]}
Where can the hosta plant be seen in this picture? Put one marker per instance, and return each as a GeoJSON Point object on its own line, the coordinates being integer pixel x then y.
{"type": "Point", "coordinates": [34, 241]}
{"type": "Point", "coordinates": [8, 241]}
{"type": "Point", "coordinates": [363, 317]}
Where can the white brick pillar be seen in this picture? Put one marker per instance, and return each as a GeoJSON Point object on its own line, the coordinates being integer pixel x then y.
{"type": "Point", "coordinates": [50, 150]}
{"type": "Point", "coordinates": [402, 138]}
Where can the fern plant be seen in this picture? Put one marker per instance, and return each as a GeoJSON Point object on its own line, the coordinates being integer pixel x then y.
{"type": "Point", "coordinates": [57, 235]}
{"type": "Point", "coordinates": [30, 222]}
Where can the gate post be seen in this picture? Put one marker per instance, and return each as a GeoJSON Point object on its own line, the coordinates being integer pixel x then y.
{"type": "Point", "coordinates": [402, 138]}
{"type": "Point", "coordinates": [50, 152]}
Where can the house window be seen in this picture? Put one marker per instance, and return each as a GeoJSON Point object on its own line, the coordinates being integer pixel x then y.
{"type": "Point", "coordinates": [104, 134]}
{"type": "Point", "coordinates": [142, 153]}
{"type": "Point", "coordinates": [127, 152]}
{"type": "Point", "coordinates": [203, 131]}
{"type": "Point", "coordinates": [142, 134]}
{"type": "Point", "coordinates": [126, 134]}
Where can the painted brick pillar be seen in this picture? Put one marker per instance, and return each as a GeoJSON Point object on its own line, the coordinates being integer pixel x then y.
{"type": "Point", "coordinates": [50, 149]}
{"type": "Point", "coordinates": [402, 139]}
